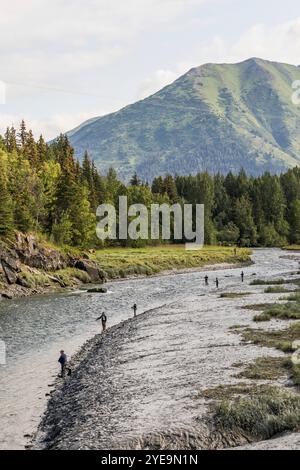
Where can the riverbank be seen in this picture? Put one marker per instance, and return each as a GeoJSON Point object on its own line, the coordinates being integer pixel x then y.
{"type": "Point", "coordinates": [30, 266]}
{"type": "Point", "coordinates": [164, 379]}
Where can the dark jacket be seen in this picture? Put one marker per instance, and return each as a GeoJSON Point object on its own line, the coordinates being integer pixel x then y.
{"type": "Point", "coordinates": [62, 359]}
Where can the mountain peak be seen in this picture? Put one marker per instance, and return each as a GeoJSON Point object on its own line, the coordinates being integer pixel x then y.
{"type": "Point", "coordinates": [216, 117]}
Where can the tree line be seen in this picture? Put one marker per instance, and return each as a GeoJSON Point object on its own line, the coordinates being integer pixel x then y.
{"type": "Point", "coordinates": [44, 188]}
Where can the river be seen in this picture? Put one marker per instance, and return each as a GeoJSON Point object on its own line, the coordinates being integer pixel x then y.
{"type": "Point", "coordinates": [35, 329]}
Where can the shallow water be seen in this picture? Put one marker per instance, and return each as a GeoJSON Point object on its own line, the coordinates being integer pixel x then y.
{"type": "Point", "coordinates": [35, 329]}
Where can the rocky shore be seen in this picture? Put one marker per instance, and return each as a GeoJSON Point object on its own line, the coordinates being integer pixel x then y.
{"type": "Point", "coordinates": [141, 385]}
{"type": "Point", "coordinates": [28, 267]}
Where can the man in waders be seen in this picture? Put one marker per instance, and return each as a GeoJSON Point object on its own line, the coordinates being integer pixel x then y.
{"type": "Point", "coordinates": [63, 362]}
{"type": "Point", "coordinates": [134, 308]}
{"type": "Point", "coordinates": [217, 283]}
{"type": "Point", "coordinates": [103, 319]}
{"type": "Point", "coordinates": [206, 280]}
{"type": "Point", "coordinates": [242, 276]}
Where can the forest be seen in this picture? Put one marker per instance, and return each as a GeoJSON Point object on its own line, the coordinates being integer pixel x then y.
{"type": "Point", "coordinates": [44, 189]}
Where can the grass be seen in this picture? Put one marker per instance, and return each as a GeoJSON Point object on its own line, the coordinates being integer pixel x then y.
{"type": "Point", "coordinates": [261, 415]}
{"type": "Point", "coordinates": [70, 275]}
{"type": "Point", "coordinates": [34, 280]}
{"type": "Point", "coordinates": [279, 339]}
{"type": "Point", "coordinates": [276, 290]}
{"type": "Point", "coordinates": [222, 392]}
{"type": "Point", "coordinates": [292, 248]}
{"type": "Point", "coordinates": [123, 262]}
{"type": "Point", "coordinates": [274, 282]}
{"type": "Point", "coordinates": [233, 295]}
{"type": "Point", "coordinates": [258, 306]}
{"type": "Point", "coordinates": [288, 311]}
{"type": "Point", "coordinates": [267, 368]}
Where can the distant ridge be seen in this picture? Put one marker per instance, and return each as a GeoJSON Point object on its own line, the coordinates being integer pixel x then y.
{"type": "Point", "coordinates": [216, 117]}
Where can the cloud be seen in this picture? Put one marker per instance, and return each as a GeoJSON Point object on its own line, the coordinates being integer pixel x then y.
{"type": "Point", "coordinates": [48, 127]}
{"type": "Point", "coordinates": [62, 37]}
{"type": "Point", "coordinates": [160, 79]}
{"type": "Point", "coordinates": [278, 42]}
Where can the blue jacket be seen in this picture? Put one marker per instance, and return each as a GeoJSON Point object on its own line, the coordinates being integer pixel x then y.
{"type": "Point", "coordinates": [62, 359]}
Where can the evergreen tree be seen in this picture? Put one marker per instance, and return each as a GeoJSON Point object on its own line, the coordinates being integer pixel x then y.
{"type": "Point", "coordinates": [135, 181]}
{"type": "Point", "coordinates": [6, 205]}
{"type": "Point", "coordinates": [22, 135]}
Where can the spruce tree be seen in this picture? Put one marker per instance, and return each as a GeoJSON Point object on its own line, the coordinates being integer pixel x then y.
{"type": "Point", "coordinates": [6, 205]}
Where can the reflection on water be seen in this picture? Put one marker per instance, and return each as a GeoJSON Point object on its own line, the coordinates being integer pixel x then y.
{"type": "Point", "coordinates": [34, 330]}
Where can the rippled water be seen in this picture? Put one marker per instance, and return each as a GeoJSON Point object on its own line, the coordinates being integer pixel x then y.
{"type": "Point", "coordinates": [35, 329]}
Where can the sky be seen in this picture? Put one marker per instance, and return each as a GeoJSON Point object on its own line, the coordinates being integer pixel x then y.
{"type": "Point", "coordinates": [65, 61]}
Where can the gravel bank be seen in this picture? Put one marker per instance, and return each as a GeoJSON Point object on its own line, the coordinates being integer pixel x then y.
{"type": "Point", "coordinates": [137, 386]}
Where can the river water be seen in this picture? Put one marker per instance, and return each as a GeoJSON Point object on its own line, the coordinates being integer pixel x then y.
{"type": "Point", "coordinates": [34, 330]}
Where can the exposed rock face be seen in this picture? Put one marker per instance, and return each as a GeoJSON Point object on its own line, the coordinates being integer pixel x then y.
{"type": "Point", "coordinates": [96, 274]}
{"type": "Point", "coordinates": [27, 254]}
{"type": "Point", "coordinates": [9, 265]}
{"type": "Point", "coordinates": [33, 254]}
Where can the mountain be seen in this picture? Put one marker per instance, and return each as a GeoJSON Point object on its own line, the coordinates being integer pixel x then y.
{"type": "Point", "coordinates": [216, 117]}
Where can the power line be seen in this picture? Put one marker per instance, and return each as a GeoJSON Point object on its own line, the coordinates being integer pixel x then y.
{"type": "Point", "coordinates": [54, 89]}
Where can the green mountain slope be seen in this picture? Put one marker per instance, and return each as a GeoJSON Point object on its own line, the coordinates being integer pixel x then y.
{"type": "Point", "coordinates": [216, 117]}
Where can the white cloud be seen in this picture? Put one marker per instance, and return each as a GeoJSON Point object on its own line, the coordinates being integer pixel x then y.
{"type": "Point", "coordinates": [278, 42]}
{"type": "Point", "coordinates": [59, 37]}
{"type": "Point", "coordinates": [48, 127]}
{"type": "Point", "coordinates": [151, 85]}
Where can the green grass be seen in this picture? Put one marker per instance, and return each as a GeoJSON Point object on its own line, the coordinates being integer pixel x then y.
{"type": "Point", "coordinates": [276, 290]}
{"type": "Point", "coordinates": [123, 262]}
{"type": "Point", "coordinates": [279, 339]}
{"type": "Point", "coordinates": [267, 368]}
{"type": "Point", "coordinates": [233, 295]}
{"type": "Point", "coordinates": [287, 311]}
{"type": "Point", "coordinates": [258, 306]}
{"type": "Point", "coordinates": [70, 275]}
{"type": "Point", "coordinates": [275, 282]}
{"type": "Point", "coordinates": [260, 282]}
{"type": "Point", "coordinates": [259, 416]}
{"type": "Point", "coordinates": [34, 280]}
{"type": "Point", "coordinates": [292, 247]}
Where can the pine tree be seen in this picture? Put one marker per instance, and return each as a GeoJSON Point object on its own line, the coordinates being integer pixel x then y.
{"type": "Point", "coordinates": [135, 181]}
{"type": "Point", "coordinates": [6, 205]}
{"type": "Point", "coordinates": [30, 151]}
{"type": "Point", "coordinates": [42, 150]}
{"type": "Point", "coordinates": [22, 135]}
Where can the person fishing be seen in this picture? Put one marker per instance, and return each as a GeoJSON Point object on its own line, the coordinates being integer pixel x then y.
{"type": "Point", "coordinates": [206, 280]}
{"type": "Point", "coordinates": [217, 282]}
{"type": "Point", "coordinates": [103, 319]}
{"type": "Point", "coordinates": [63, 362]}
{"type": "Point", "coordinates": [134, 308]}
{"type": "Point", "coordinates": [242, 276]}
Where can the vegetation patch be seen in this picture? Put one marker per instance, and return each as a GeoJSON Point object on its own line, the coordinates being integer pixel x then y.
{"type": "Point", "coordinates": [34, 280]}
{"type": "Point", "coordinates": [292, 248]}
{"type": "Point", "coordinates": [261, 415]}
{"type": "Point", "coordinates": [124, 262]}
{"type": "Point", "coordinates": [267, 368]}
{"type": "Point", "coordinates": [70, 275]}
{"type": "Point", "coordinates": [258, 306]}
{"type": "Point", "coordinates": [222, 392]}
{"type": "Point", "coordinates": [279, 339]}
{"type": "Point", "coordinates": [288, 311]}
{"type": "Point", "coordinates": [274, 282]}
{"type": "Point", "coordinates": [276, 290]}
{"type": "Point", "coordinates": [233, 295]}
